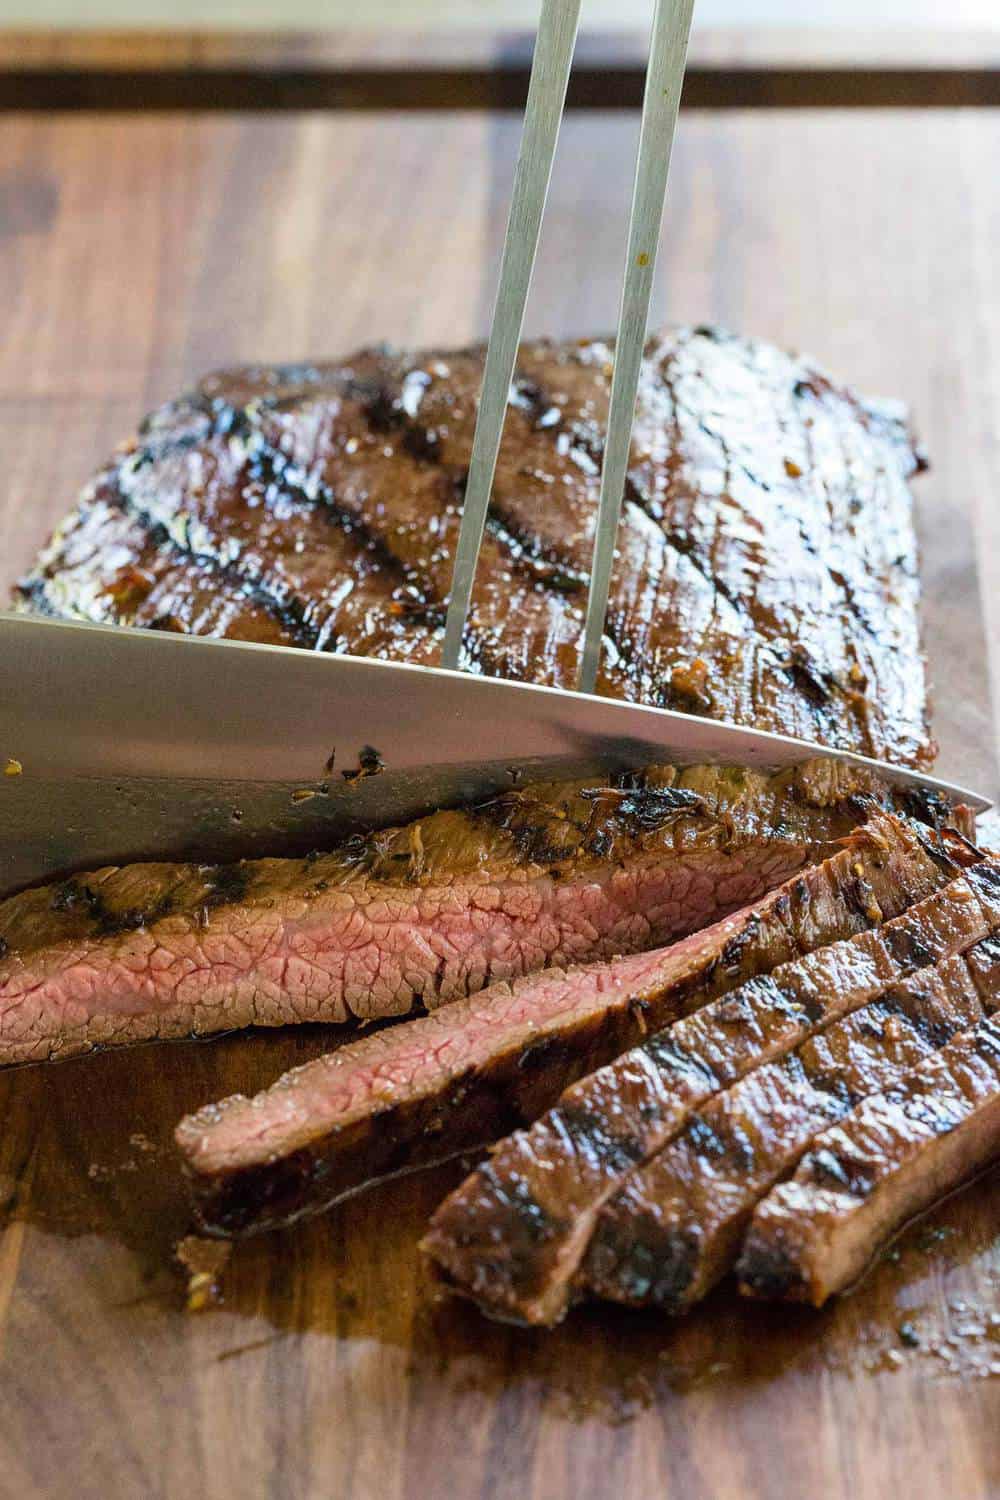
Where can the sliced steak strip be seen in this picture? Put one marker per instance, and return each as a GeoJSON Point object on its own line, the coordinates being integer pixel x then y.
{"type": "Point", "coordinates": [677, 1226]}
{"type": "Point", "coordinates": [766, 567]}
{"type": "Point", "coordinates": [417, 1093]}
{"type": "Point", "coordinates": [552, 874]}
{"type": "Point", "coordinates": [890, 1159]}
{"type": "Point", "coordinates": [485, 1238]}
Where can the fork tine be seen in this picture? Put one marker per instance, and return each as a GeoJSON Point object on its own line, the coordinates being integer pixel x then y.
{"type": "Point", "coordinates": [550, 68]}
{"type": "Point", "coordinates": [664, 78]}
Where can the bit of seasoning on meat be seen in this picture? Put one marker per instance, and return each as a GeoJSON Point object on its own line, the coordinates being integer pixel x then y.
{"type": "Point", "coordinates": [370, 763]}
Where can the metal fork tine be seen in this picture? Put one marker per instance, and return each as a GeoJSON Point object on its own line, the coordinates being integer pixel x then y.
{"type": "Point", "coordinates": [664, 79]}
{"type": "Point", "coordinates": [550, 69]}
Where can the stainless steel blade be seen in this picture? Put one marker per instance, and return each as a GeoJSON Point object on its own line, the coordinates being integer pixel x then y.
{"type": "Point", "coordinates": [664, 79]}
{"type": "Point", "coordinates": [134, 744]}
{"type": "Point", "coordinates": [550, 68]}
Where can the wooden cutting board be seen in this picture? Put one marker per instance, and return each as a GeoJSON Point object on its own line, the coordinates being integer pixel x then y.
{"type": "Point", "coordinates": [136, 253]}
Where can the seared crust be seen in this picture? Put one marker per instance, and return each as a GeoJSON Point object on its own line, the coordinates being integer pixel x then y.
{"type": "Point", "coordinates": [766, 567]}
{"type": "Point", "coordinates": [887, 1161]}
{"type": "Point", "coordinates": [677, 1226]}
{"type": "Point", "coordinates": [485, 1237]}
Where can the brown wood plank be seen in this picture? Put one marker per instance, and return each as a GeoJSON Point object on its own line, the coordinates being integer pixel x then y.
{"type": "Point", "coordinates": [479, 67]}
{"type": "Point", "coordinates": [799, 47]}
{"type": "Point", "coordinates": [136, 254]}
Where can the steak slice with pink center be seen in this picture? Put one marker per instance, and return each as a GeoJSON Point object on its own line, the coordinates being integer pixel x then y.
{"type": "Point", "coordinates": [411, 1095]}
{"type": "Point", "coordinates": [416, 916]}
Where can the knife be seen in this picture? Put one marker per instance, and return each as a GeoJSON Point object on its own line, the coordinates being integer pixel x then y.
{"type": "Point", "coordinates": [120, 744]}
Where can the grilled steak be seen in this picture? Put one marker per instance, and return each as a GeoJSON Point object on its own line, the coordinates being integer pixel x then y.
{"type": "Point", "coordinates": [766, 565]}
{"type": "Point", "coordinates": [552, 874]}
{"type": "Point", "coordinates": [513, 1235]}
{"type": "Point", "coordinates": [480, 1067]}
{"type": "Point", "coordinates": [892, 1157]}
{"type": "Point", "coordinates": [677, 1225]}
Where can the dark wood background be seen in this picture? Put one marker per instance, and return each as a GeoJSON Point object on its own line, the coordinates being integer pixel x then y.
{"type": "Point", "coordinates": [476, 68]}
{"type": "Point", "coordinates": [136, 252]}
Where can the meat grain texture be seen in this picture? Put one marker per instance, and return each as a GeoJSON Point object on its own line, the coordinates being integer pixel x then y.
{"type": "Point", "coordinates": [416, 916]}
{"type": "Point", "coordinates": [766, 570]}
{"type": "Point", "coordinates": [476, 1069]}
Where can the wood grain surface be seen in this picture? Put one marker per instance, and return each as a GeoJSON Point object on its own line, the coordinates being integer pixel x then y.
{"type": "Point", "coordinates": [135, 254]}
{"type": "Point", "coordinates": [421, 66]}
{"type": "Point", "coordinates": [928, 39]}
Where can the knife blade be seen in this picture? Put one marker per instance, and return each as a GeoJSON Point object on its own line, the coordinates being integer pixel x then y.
{"type": "Point", "coordinates": [128, 744]}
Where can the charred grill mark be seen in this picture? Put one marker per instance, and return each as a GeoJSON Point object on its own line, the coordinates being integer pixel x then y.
{"type": "Point", "coordinates": [719, 1141]}
{"type": "Point", "coordinates": [769, 1271]}
{"type": "Point", "coordinates": [584, 443]}
{"type": "Point", "coordinates": [594, 1136]}
{"type": "Point", "coordinates": [77, 896]}
{"type": "Point", "coordinates": [815, 685]}
{"type": "Point", "coordinates": [267, 1194]}
{"type": "Point", "coordinates": [939, 1116]}
{"type": "Point", "coordinates": [988, 949]}
{"type": "Point", "coordinates": [680, 541]}
{"type": "Point", "coordinates": [272, 469]}
{"type": "Point", "coordinates": [74, 896]}
{"type": "Point", "coordinates": [905, 1002]}
{"type": "Point", "coordinates": [173, 443]}
{"type": "Point", "coordinates": [735, 949]}
{"type": "Point", "coordinates": [111, 923]}
{"type": "Point", "coordinates": [830, 1168]}
{"type": "Point", "coordinates": [834, 1088]}
{"type": "Point", "coordinates": [644, 1262]}
{"type": "Point", "coordinates": [934, 845]}
{"type": "Point", "coordinates": [532, 1225]}
{"type": "Point", "coordinates": [35, 591]}
{"type": "Point", "coordinates": [763, 997]}
{"type": "Point", "coordinates": [985, 877]}
{"type": "Point", "coordinates": [860, 899]}
{"type": "Point", "coordinates": [553, 836]}
{"type": "Point", "coordinates": [538, 1056]}
{"type": "Point", "coordinates": [530, 397]}
{"type": "Point", "coordinates": [644, 809]}
{"type": "Point", "coordinates": [228, 884]}
{"type": "Point", "coordinates": [288, 612]}
{"type": "Point", "coordinates": [983, 966]}
{"type": "Point", "coordinates": [987, 1042]}
{"type": "Point", "coordinates": [533, 841]}
{"type": "Point", "coordinates": [542, 564]}
{"type": "Point", "coordinates": [907, 948]}
{"type": "Point", "coordinates": [672, 1057]}
{"type": "Point", "coordinates": [385, 412]}
{"type": "Point", "coordinates": [282, 480]}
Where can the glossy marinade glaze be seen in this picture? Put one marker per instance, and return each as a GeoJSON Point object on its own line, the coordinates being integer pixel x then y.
{"type": "Point", "coordinates": [678, 1225]}
{"type": "Point", "coordinates": [766, 571]}
{"type": "Point", "coordinates": [514, 1235]}
{"type": "Point", "coordinates": [891, 1158]}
